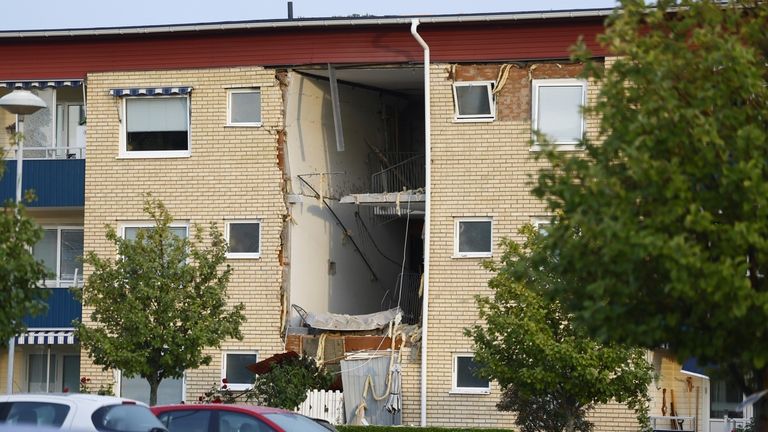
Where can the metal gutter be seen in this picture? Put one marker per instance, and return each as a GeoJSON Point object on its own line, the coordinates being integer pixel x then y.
{"type": "Point", "coordinates": [308, 23]}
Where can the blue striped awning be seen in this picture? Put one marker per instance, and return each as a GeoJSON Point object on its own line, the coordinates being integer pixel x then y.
{"type": "Point", "coordinates": [46, 337]}
{"type": "Point", "coordinates": [150, 91]}
{"type": "Point", "coordinates": [40, 84]}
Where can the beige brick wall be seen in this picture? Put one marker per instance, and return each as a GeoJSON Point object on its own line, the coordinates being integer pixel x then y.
{"type": "Point", "coordinates": [481, 169]}
{"type": "Point", "coordinates": [232, 173]}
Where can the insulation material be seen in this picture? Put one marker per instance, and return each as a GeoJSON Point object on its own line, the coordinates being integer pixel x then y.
{"type": "Point", "coordinates": [339, 322]}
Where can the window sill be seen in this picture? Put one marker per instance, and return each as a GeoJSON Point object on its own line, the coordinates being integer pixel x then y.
{"type": "Point", "coordinates": [478, 392]}
{"type": "Point", "coordinates": [463, 256]}
{"type": "Point", "coordinates": [245, 125]}
{"type": "Point", "coordinates": [572, 147]}
{"type": "Point", "coordinates": [155, 155]}
{"type": "Point", "coordinates": [239, 256]}
{"type": "Point", "coordinates": [238, 387]}
{"type": "Point", "coordinates": [474, 119]}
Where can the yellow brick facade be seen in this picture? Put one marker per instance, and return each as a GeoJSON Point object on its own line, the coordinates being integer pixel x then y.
{"type": "Point", "coordinates": [232, 173]}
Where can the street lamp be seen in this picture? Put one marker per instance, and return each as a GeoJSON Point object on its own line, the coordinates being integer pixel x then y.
{"type": "Point", "coordinates": [19, 102]}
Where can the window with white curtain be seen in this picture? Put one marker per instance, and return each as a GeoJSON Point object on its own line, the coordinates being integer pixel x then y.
{"type": "Point", "coordinates": [156, 127]}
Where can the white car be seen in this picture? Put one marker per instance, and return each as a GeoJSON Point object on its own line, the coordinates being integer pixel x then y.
{"type": "Point", "coordinates": [78, 412]}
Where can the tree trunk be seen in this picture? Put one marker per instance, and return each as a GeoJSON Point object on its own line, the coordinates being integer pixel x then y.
{"type": "Point", "coordinates": [153, 385]}
{"type": "Point", "coordinates": [570, 424]}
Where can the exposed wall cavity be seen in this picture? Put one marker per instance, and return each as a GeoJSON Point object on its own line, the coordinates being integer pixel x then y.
{"type": "Point", "coordinates": [283, 255]}
{"type": "Point", "coordinates": [343, 257]}
{"type": "Point", "coordinates": [513, 101]}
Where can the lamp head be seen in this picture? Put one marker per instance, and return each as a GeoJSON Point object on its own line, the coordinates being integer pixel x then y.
{"type": "Point", "coordinates": [21, 102]}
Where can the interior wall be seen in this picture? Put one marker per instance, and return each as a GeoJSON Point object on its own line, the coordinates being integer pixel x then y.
{"type": "Point", "coordinates": [326, 273]}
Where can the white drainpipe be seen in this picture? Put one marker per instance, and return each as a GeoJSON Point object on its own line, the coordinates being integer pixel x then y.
{"type": "Point", "coordinates": [427, 205]}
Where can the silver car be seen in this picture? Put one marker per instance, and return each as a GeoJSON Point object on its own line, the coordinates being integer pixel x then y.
{"type": "Point", "coordinates": [78, 412]}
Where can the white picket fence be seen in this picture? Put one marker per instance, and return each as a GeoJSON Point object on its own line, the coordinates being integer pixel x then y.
{"type": "Point", "coordinates": [326, 405]}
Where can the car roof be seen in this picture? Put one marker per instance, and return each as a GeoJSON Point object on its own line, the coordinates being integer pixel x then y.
{"type": "Point", "coordinates": [68, 398]}
{"type": "Point", "coordinates": [255, 409]}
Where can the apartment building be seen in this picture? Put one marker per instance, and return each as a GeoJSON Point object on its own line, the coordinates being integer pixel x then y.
{"type": "Point", "coordinates": [347, 180]}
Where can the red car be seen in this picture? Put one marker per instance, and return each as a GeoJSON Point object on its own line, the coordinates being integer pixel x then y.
{"type": "Point", "coordinates": [234, 418]}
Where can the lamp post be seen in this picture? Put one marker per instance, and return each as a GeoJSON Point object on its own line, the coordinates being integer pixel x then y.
{"type": "Point", "coordinates": [19, 102]}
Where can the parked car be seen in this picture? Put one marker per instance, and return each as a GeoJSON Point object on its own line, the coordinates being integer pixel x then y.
{"type": "Point", "coordinates": [78, 412]}
{"type": "Point", "coordinates": [234, 418]}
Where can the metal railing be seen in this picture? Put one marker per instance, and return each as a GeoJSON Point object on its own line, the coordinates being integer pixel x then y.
{"type": "Point", "coordinates": [400, 174]}
{"type": "Point", "coordinates": [410, 299]}
{"type": "Point", "coordinates": [30, 153]}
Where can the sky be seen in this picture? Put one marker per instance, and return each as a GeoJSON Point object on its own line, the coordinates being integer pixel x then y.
{"type": "Point", "coordinates": [68, 14]}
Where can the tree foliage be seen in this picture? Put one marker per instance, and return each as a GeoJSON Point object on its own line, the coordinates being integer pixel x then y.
{"type": "Point", "coordinates": [661, 225]}
{"type": "Point", "coordinates": [286, 384]}
{"type": "Point", "coordinates": [21, 275]}
{"type": "Point", "coordinates": [160, 303]}
{"type": "Point", "coordinates": [551, 373]}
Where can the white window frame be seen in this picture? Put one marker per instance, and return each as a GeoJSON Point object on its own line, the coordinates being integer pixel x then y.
{"type": "Point", "coordinates": [146, 224]}
{"type": "Point", "coordinates": [58, 282]}
{"type": "Point", "coordinates": [556, 82]}
{"type": "Point", "coordinates": [242, 255]}
{"type": "Point", "coordinates": [230, 384]}
{"type": "Point", "coordinates": [465, 118]}
{"type": "Point", "coordinates": [455, 378]}
{"type": "Point", "coordinates": [456, 252]}
{"type": "Point", "coordinates": [539, 222]}
{"type": "Point", "coordinates": [230, 92]}
{"type": "Point", "coordinates": [135, 154]}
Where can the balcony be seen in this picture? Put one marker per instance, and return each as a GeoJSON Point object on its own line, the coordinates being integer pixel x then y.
{"type": "Point", "coordinates": [63, 308]}
{"type": "Point", "coordinates": [56, 182]}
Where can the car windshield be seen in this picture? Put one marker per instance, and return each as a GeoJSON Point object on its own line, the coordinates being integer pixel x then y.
{"type": "Point", "coordinates": [34, 413]}
{"type": "Point", "coordinates": [125, 418]}
{"type": "Point", "coordinates": [295, 422]}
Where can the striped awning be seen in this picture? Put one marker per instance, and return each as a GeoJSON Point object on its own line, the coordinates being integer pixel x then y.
{"type": "Point", "coordinates": [46, 337]}
{"type": "Point", "coordinates": [40, 84]}
{"type": "Point", "coordinates": [150, 91]}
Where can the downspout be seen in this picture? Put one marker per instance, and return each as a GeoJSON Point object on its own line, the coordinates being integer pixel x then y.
{"type": "Point", "coordinates": [427, 212]}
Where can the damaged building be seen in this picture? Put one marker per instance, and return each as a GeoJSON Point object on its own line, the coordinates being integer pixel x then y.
{"type": "Point", "coordinates": [361, 169]}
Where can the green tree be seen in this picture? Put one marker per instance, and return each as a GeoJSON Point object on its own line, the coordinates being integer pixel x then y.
{"type": "Point", "coordinates": [160, 303]}
{"type": "Point", "coordinates": [551, 373]}
{"type": "Point", "coordinates": [286, 384]}
{"type": "Point", "coordinates": [21, 275]}
{"type": "Point", "coordinates": [660, 226]}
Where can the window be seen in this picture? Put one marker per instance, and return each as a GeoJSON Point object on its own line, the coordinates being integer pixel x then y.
{"type": "Point", "coordinates": [61, 251]}
{"type": "Point", "coordinates": [244, 238]}
{"type": "Point", "coordinates": [125, 418]}
{"type": "Point", "coordinates": [131, 231]}
{"type": "Point", "coordinates": [170, 391]}
{"type": "Point", "coordinates": [473, 237]}
{"type": "Point", "coordinates": [187, 420]}
{"type": "Point", "coordinates": [474, 100]}
{"type": "Point", "coordinates": [465, 379]}
{"type": "Point", "coordinates": [234, 369]}
{"type": "Point", "coordinates": [557, 109]}
{"type": "Point", "coordinates": [155, 127]}
{"type": "Point", "coordinates": [541, 224]}
{"type": "Point", "coordinates": [35, 413]}
{"type": "Point", "coordinates": [244, 107]}
{"type": "Point", "coordinates": [62, 371]}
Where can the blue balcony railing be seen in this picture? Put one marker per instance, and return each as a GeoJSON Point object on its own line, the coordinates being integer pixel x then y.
{"type": "Point", "coordinates": [56, 182]}
{"type": "Point", "coordinates": [63, 307]}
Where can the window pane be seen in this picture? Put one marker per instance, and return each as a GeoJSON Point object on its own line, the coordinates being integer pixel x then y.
{"type": "Point", "coordinates": [724, 398]}
{"type": "Point", "coordinates": [169, 392]}
{"type": "Point", "coordinates": [236, 372]}
{"type": "Point", "coordinates": [71, 373]}
{"type": "Point", "coordinates": [71, 254]}
{"type": "Point", "coordinates": [130, 233]}
{"type": "Point", "coordinates": [246, 107]}
{"type": "Point", "coordinates": [37, 367]}
{"type": "Point", "coordinates": [244, 237]}
{"type": "Point", "coordinates": [295, 422]}
{"type": "Point", "coordinates": [473, 100]}
{"type": "Point", "coordinates": [38, 127]}
{"type": "Point", "coordinates": [37, 413]}
{"type": "Point", "coordinates": [45, 251]}
{"type": "Point", "coordinates": [156, 124]}
{"type": "Point", "coordinates": [188, 421]}
{"type": "Point", "coordinates": [475, 236]}
{"type": "Point", "coordinates": [465, 373]}
{"type": "Point", "coordinates": [243, 423]}
{"type": "Point", "coordinates": [559, 115]}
